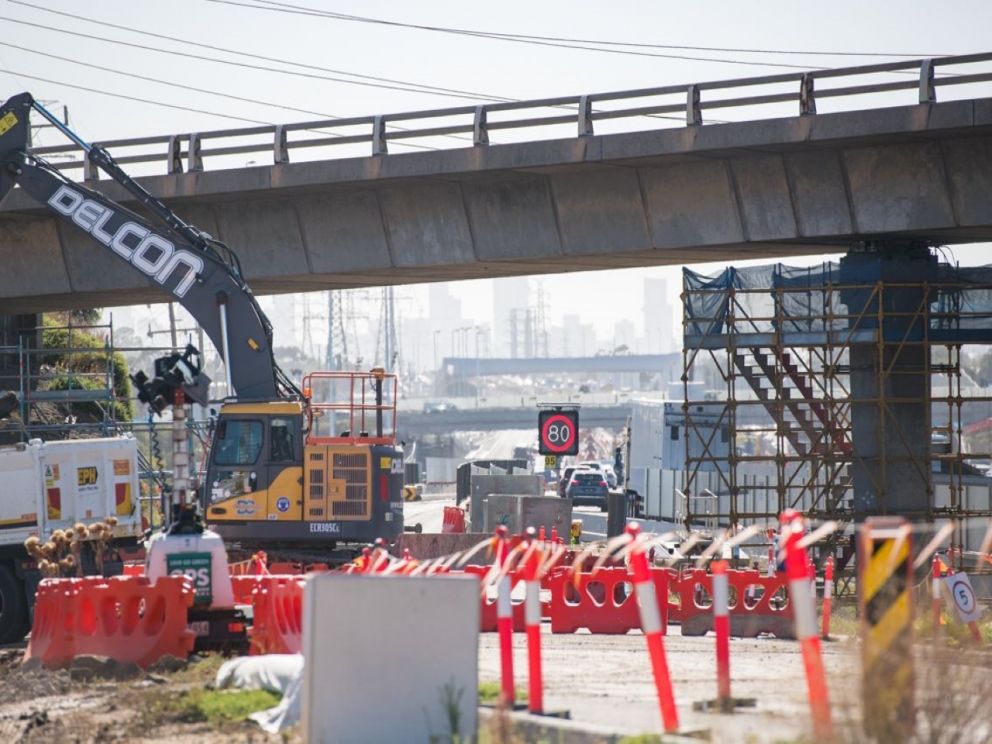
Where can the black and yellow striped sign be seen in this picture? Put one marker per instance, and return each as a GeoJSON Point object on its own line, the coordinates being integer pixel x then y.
{"type": "Point", "coordinates": [885, 581]}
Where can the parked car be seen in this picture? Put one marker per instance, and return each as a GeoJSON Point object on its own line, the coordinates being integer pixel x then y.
{"type": "Point", "coordinates": [437, 406]}
{"type": "Point", "coordinates": [611, 475]}
{"type": "Point", "coordinates": [566, 476]}
{"type": "Point", "coordinates": [588, 488]}
{"type": "Point", "coordinates": [601, 467]}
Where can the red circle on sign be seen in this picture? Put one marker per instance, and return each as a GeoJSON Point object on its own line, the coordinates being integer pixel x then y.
{"type": "Point", "coordinates": [554, 438]}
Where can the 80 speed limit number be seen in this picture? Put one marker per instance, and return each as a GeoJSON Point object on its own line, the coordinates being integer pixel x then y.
{"type": "Point", "coordinates": [558, 432]}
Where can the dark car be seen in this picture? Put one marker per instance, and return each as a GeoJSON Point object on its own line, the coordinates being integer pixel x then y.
{"type": "Point", "coordinates": [587, 488]}
{"type": "Point", "coordinates": [566, 476]}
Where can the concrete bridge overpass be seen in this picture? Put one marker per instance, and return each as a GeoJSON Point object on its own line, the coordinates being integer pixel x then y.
{"type": "Point", "coordinates": [801, 183]}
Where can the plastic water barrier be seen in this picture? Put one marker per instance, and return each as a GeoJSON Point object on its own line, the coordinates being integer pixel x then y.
{"type": "Point", "coordinates": [125, 618]}
{"type": "Point", "coordinates": [277, 605]}
{"type": "Point", "coordinates": [758, 604]}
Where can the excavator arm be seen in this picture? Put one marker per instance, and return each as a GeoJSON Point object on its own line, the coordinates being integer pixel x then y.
{"type": "Point", "coordinates": [201, 273]}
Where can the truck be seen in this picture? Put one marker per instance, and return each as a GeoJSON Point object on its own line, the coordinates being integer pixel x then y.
{"type": "Point", "coordinates": [305, 472]}
{"type": "Point", "coordinates": [49, 486]}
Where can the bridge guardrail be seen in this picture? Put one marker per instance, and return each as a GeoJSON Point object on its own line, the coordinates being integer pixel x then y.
{"type": "Point", "coordinates": [191, 150]}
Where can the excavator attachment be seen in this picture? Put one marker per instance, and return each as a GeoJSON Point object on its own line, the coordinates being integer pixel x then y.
{"type": "Point", "coordinates": [14, 131]}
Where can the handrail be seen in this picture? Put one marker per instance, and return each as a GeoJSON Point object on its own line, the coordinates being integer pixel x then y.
{"type": "Point", "coordinates": [690, 101]}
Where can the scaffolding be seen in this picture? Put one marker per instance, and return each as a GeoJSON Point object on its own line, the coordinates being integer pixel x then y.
{"type": "Point", "coordinates": [784, 345]}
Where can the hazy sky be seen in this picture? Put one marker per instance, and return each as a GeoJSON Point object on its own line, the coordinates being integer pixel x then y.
{"type": "Point", "coordinates": [469, 63]}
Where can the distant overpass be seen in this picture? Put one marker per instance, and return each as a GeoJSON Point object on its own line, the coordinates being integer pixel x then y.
{"type": "Point", "coordinates": [669, 193]}
{"type": "Point", "coordinates": [412, 425]}
{"type": "Point", "coordinates": [487, 367]}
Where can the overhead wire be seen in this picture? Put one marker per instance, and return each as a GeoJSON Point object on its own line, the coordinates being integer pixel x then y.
{"type": "Point", "coordinates": [602, 42]}
{"type": "Point", "coordinates": [204, 58]}
{"type": "Point", "coordinates": [195, 89]}
{"type": "Point", "coordinates": [433, 90]}
{"type": "Point", "coordinates": [451, 92]}
{"type": "Point", "coordinates": [274, 6]}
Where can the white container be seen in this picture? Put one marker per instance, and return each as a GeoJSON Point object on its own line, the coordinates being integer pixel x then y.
{"type": "Point", "coordinates": [46, 486]}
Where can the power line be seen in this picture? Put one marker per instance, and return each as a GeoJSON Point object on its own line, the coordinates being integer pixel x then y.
{"type": "Point", "coordinates": [201, 57]}
{"type": "Point", "coordinates": [135, 99]}
{"type": "Point", "coordinates": [300, 10]}
{"type": "Point", "coordinates": [600, 42]}
{"type": "Point", "coordinates": [557, 42]}
{"type": "Point", "coordinates": [453, 92]}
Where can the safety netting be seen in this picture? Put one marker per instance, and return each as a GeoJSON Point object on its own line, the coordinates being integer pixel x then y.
{"type": "Point", "coordinates": [826, 297]}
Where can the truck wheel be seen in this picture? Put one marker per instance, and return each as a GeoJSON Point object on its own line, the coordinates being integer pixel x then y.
{"type": "Point", "coordinates": [13, 607]}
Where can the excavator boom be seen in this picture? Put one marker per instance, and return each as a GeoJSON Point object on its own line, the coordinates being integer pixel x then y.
{"type": "Point", "coordinates": [198, 271]}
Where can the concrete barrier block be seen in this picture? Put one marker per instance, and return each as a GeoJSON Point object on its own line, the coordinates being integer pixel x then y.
{"type": "Point", "coordinates": [364, 680]}
{"type": "Point", "coordinates": [436, 544]}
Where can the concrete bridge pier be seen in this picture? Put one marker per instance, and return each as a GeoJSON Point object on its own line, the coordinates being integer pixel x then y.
{"type": "Point", "coordinates": [890, 377]}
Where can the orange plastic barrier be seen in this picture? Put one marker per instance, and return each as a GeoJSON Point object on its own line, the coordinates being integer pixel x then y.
{"type": "Point", "coordinates": [54, 615]}
{"type": "Point", "coordinates": [487, 614]}
{"type": "Point", "coordinates": [453, 520]}
{"type": "Point", "coordinates": [277, 604]}
{"type": "Point", "coordinates": [124, 617]}
{"type": "Point", "coordinates": [601, 603]}
{"type": "Point", "coordinates": [244, 587]}
{"type": "Point", "coordinates": [134, 569]}
{"type": "Point", "coordinates": [758, 604]}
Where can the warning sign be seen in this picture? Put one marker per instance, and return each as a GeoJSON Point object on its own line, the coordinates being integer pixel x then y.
{"type": "Point", "coordinates": [87, 477]}
{"type": "Point", "coordinates": [198, 568]}
{"type": "Point", "coordinates": [960, 595]}
{"type": "Point", "coordinates": [122, 467]}
{"type": "Point", "coordinates": [550, 462]}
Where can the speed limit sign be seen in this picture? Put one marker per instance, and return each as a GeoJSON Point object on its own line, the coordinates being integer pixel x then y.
{"type": "Point", "coordinates": [961, 596]}
{"type": "Point", "coordinates": [558, 432]}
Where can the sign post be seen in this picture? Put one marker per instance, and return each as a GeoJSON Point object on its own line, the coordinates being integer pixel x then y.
{"type": "Point", "coordinates": [885, 587]}
{"type": "Point", "coordinates": [961, 597]}
{"type": "Point", "coordinates": [557, 435]}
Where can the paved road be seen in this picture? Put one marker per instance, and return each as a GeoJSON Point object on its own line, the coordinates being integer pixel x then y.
{"type": "Point", "coordinates": [606, 681]}
{"type": "Point", "coordinates": [429, 513]}
{"type": "Point", "coordinates": [594, 523]}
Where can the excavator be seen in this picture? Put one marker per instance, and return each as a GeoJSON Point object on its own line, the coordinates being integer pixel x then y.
{"type": "Point", "coordinates": [311, 471]}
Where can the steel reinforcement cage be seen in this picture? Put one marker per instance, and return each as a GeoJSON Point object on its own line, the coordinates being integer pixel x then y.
{"type": "Point", "coordinates": [775, 343]}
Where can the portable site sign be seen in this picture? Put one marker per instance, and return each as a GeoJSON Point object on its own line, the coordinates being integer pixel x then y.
{"type": "Point", "coordinates": [885, 581]}
{"type": "Point", "coordinates": [960, 596]}
{"type": "Point", "coordinates": [558, 431]}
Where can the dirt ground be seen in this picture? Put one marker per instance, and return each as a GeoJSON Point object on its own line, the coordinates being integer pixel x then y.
{"type": "Point", "coordinates": [604, 682]}
{"type": "Point", "coordinates": [38, 705]}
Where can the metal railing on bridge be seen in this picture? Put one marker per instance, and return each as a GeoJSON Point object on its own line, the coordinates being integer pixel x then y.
{"type": "Point", "coordinates": [474, 123]}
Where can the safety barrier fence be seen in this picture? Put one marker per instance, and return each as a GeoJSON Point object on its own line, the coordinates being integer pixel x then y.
{"type": "Point", "coordinates": [128, 619]}
{"type": "Point", "coordinates": [613, 589]}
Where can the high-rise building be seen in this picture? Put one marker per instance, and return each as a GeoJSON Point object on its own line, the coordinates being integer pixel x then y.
{"type": "Point", "coordinates": [659, 335]}
{"type": "Point", "coordinates": [446, 315]}
{"type": "Point", "coordinates": [511, 308]}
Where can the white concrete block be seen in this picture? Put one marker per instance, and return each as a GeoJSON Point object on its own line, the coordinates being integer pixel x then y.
{"type": "Point", "coordinates": [390, 658]}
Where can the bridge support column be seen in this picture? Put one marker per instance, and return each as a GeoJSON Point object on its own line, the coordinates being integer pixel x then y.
{"type": "Point", "coordinates": [886, 291]}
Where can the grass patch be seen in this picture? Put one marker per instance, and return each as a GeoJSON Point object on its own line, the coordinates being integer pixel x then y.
{"type": "Point", "coordinates": [641, 739]}
{"type": "Point", "coordinates": [489, 693]}
{"type": "Point", "coordinates": [223, 706]}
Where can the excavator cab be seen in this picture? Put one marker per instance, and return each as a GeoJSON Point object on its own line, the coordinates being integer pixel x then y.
{"type": "Point", "coordinates": [317, 472]}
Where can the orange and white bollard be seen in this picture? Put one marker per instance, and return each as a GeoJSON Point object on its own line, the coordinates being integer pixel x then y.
{"type": "Point", "coordinates": [935, 598]}
{"type": "Point", "coordinates": [804, 615]}
{"type": "Point", "coordinates": [647, 604]}
{"type": "Point", "coordinates": [828, 592]}
{"type": "Point", "coordinates": [721, 624]}
{"type": "Point", "coordinates": [532, 620]}
{"type": "Point", "coordinates": [504, 618]}
{"type": "Point", "coordinates": [554, 534]}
